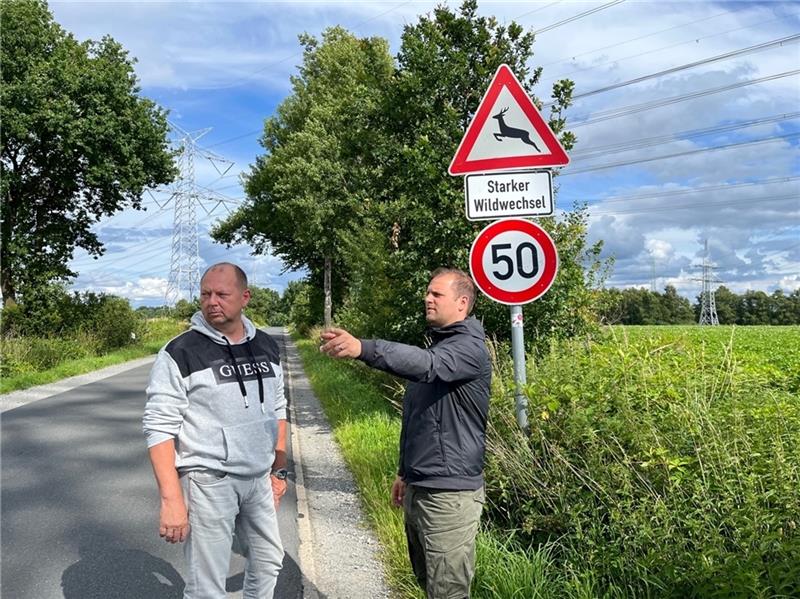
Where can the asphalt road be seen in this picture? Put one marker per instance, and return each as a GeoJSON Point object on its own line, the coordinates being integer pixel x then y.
{"type": "Point", "coordinates": [80, 505]}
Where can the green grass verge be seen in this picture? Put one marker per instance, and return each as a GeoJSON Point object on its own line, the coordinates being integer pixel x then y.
{"type": "Point", "coordinates": [153, 341]}
{"type": "Point", "coordinates": [663, 463]}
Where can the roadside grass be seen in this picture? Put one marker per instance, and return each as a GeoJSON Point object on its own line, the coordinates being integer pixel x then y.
{"type": "Point", "coordinates": [66, 357]}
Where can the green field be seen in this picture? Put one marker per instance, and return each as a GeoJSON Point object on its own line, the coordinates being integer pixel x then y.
{"type": "Point", "coordinates": [662, 462]}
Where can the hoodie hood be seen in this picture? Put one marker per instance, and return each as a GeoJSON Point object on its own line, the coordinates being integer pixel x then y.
{"type": "Point", "coordinates": [470, 325]}
{"type": "Point", "coordinates": [200, 325]}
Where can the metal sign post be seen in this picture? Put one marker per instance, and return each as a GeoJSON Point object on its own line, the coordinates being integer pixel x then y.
{"type": "Point", "coordinates": [520, 378]}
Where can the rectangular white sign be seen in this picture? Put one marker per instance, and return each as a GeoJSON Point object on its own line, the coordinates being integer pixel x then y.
{"type": "Point", "coordinates": [502, 195]}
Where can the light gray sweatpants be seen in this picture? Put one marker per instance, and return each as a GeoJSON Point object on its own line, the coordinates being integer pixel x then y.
{"type": "Point", "coordinates": [218, 504]}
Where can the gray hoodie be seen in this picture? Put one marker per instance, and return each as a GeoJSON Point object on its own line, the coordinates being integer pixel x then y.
{"type": "Point", "coordinates": [221, 402]}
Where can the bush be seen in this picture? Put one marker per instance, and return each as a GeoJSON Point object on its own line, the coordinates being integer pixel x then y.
{"type": "Point", "coordinates": [21, 355]}
{"type": "Point", "coordinates": [116, 324]}
{"type": "Point", "coordinates": [301, 315]}
{"type": "Point", "coordinates": [659, 465]}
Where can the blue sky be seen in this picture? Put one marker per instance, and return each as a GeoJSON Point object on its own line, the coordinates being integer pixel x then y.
{"type": "Point", "coordinates": [226, 66]}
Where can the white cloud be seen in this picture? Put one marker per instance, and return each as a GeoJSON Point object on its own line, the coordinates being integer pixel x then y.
{"type": "Point", "coordinates": [789, 283]}
{"type": "Point", "coordinates": [659, 249]}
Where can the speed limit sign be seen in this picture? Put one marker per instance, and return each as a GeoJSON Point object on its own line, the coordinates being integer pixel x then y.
{"type": "Point", "coordinates": [513, 261]}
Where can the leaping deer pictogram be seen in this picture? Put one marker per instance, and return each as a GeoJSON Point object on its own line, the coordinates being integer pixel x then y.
{"type": "Point", "coordinates": [512, 132]}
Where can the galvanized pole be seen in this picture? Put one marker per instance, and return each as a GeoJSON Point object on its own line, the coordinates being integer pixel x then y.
{"type": "Point", "coordinates": [518, 352]}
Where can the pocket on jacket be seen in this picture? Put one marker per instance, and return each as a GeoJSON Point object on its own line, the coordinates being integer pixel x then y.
{"type": "Point", "coordinates": [249, 447]}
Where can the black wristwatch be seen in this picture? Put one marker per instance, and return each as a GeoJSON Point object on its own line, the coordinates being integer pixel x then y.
{"type": "Point", "coordinates": [280, 473]}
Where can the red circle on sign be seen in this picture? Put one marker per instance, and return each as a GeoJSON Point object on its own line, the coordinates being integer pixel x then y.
{"type": "Point", "coordinates": [497, 293]}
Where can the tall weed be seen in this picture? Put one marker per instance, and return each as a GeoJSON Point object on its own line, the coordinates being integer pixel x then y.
{"type": "Point", "coordinates": [660, 466]}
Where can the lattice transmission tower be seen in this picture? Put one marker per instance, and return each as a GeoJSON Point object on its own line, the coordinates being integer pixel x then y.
{"type": "Point", "coordinates": [708, 306]}
{"type": "Point", "coordinates": [184, 276]}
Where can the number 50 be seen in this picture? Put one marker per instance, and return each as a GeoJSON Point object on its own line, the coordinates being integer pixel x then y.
{"type": "Point", "coordinates": [498, 258]}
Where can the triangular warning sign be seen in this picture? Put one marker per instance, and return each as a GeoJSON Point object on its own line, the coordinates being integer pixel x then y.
{"type": "Point", "coordinates": [506, 132]}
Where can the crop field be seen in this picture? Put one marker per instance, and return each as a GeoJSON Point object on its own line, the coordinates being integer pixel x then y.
{"type": "Point", "coordinates": [765, 355]}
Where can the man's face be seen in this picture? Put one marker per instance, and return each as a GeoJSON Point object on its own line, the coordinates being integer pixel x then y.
{"type": "Point", "coordinates": [222, 300]}
{"type": "Point", "coordinates": [442, 305]}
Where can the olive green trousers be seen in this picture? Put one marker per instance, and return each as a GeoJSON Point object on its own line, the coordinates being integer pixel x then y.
{"type": "Point", "coordinates": [441, 526]}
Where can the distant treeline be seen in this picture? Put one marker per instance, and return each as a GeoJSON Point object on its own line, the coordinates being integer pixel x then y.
{"type": "Point", "coordinates": [641, 306]}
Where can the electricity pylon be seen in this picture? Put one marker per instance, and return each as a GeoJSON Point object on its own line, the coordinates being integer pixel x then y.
{"type": "Point", "coordinates": [708, 306]}
{"type": "Point", "coordinates": [184, 264]}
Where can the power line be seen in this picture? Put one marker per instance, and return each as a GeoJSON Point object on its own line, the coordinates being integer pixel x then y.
{"type": "Point", "coordinates": [237, 138]}
{"type": "Point", "coordinates": [636, 39]}
{"type": "Point", "coordinates": [530, 12]}
{"type": "Point", "coordinates": [684, 153]}
{"type": "Point", "coordinates": [634, 108]}
{"type": "Point", "coordinates": [578, 16]}
{"type": "Point", "coordinates": [636, 144]}
{"type": "Point", "coordinates": [749, 50]}
{"type": "Point", "coordinates": [695, 205]}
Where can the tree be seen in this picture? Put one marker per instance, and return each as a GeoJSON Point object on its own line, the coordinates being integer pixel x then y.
{"type": "Point", "coordinates": [316, 178]}
{"type": "Point", "coordinates": [677, 309]}
{"type": "Point", "coordinates": [77, 143]}
{"type": "Point", "coordinates": [265, 306]}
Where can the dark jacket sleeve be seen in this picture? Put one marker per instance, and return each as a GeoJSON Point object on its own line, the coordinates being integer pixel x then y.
{"type": "Point", "coordinates": [459, 360]}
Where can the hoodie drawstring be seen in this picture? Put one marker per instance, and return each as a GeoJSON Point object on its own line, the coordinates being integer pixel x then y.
{"type": "Point", "coordinates": [258, 372]}
{"type": "Point", "coordinates": [239, 376]}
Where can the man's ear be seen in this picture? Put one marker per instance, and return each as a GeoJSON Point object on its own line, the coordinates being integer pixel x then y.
{"type": "Point", "coordinates": [246, 296]}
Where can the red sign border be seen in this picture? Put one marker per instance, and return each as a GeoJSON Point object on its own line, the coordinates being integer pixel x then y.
{"type": "Point", "coordinates": [504, 77]}
{"type": "Point", "coordinates": [513, 298]}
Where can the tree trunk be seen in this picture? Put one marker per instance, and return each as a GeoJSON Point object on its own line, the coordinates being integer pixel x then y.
{"type": "Point", "coordinates": [327, 285]}
{"type": "Point", "coordinates": [8, 286]}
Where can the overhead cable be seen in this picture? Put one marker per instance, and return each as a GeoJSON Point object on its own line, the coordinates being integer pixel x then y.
{"type": "Point", "coordinates": [695, 205]}
{"type": "Point", "coordinates": [635, 39]}
{"type": "Point", "coordinates": [530, 12]}
{"type": "Point", "coordinates": [684, 153]}
{"type": "Point", "coordinates": [578, 16]}
{"type": "Point", "coordinates": [676, 192]}
{"type": "Point", "coordinates": [694, 40]}
{"type": "Point", "coordinates": [634, 108]}
{"type": "Point", "coordinates": [635, 144]}
{"type": "Point", "coordinates": [749, 50]}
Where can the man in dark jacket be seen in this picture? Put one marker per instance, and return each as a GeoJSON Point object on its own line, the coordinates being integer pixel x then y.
{"type": "Point", "coordinates": [442, 442]}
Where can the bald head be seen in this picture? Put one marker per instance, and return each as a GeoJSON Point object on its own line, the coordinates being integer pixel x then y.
{"type": "Point", "coordinates": [241, 277]}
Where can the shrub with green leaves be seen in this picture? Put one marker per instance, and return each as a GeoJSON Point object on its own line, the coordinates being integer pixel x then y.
{"type": "Point", "coordinates": [661, 462]}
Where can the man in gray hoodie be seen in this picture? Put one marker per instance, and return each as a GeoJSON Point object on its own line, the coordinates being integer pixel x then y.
{"type": "Point", "coordinates": [215, 423]}
{"type": "Point", "coordinates": [442, 441]}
